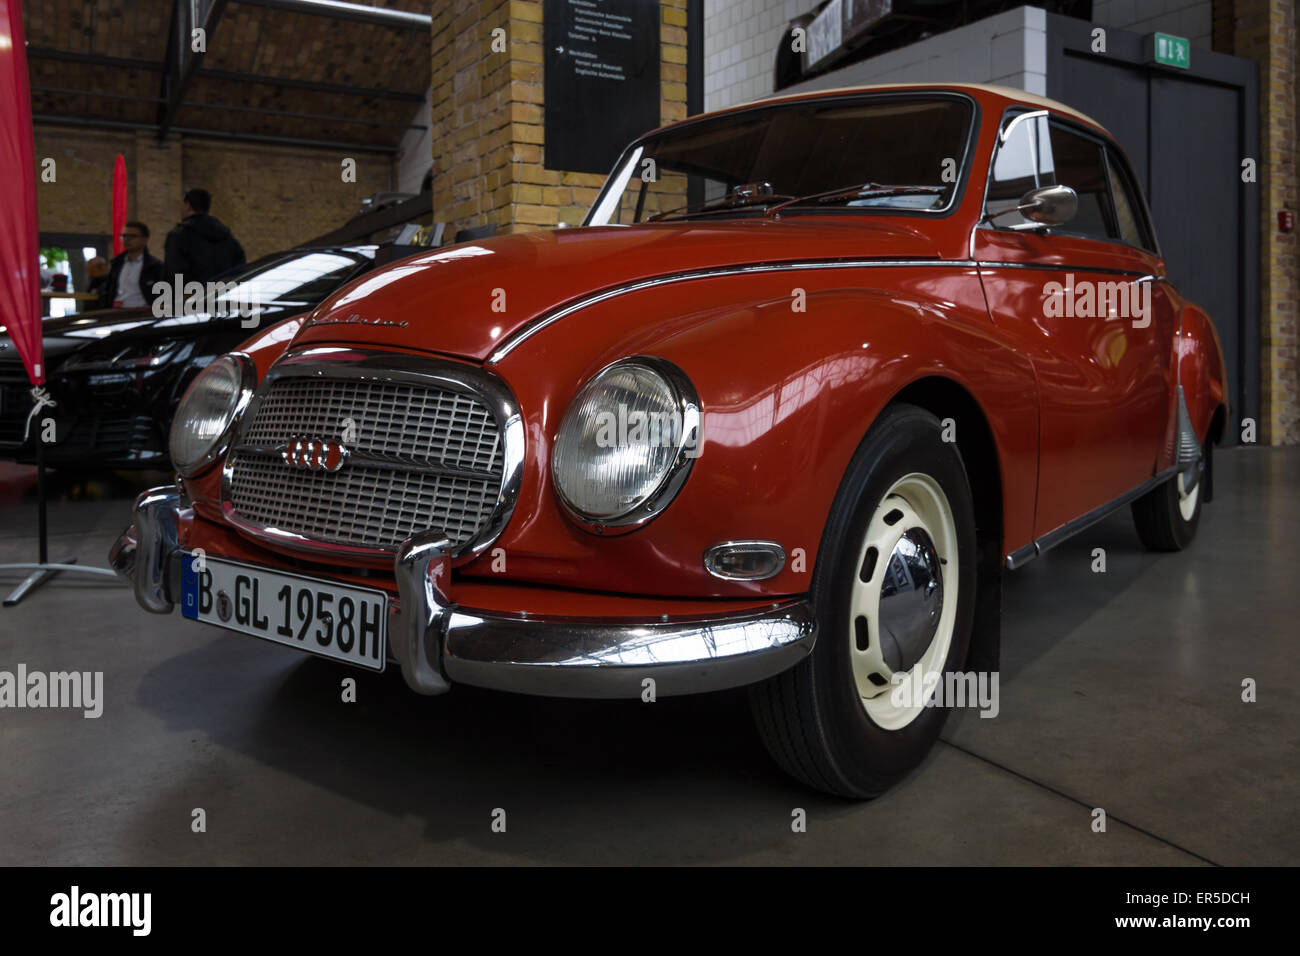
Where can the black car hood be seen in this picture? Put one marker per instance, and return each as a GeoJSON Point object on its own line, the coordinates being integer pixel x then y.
{"type": "Point", "coordinates": [109, 330]}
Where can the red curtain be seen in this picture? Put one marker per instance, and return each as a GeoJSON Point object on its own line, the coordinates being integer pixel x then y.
{"type": "Point", "coordinates": [20, 282]}
{"type": "Point", "coordinates": [119, 203]}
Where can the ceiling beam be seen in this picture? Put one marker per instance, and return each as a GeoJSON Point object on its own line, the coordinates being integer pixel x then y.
{"type": "Point", "coordinates": [313, 85]}
{"type": "Point", "coordinates": [93, 59]}
{"type": "Point", "coordinates": [88, 122]}
{"type": "Point", "coordinates": [356, 12]}
{"type": "Point", "coordinates": [182, 59]}
{"type": "Point", "coordinates": [193, 104]}
{"type": "Point", "coordinates": [340, 89]}
{"type": "Point", "coordinates": [359, 228]}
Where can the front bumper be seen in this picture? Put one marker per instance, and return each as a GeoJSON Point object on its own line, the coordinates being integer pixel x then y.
{"type": "Point", "coordinates": [437, 642]}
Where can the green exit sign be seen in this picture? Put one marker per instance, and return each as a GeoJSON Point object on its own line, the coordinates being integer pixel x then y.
{"type": "Point", "coordinates": [1167, 50]}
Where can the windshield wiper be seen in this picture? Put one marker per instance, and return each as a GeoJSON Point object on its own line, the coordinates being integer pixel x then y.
{"type": "Point", "coordinates": [860, 191]}
{"type": "Point", "coordinates": [750, 194]}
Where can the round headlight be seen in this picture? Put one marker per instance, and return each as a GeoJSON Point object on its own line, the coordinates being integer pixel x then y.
{"type": "Point", "coordinates": [210, 406]}
{"type": "Point", "coordinates": [626, 444]}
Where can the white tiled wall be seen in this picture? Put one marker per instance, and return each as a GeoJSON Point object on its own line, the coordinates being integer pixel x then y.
{"type": "Point", "coordinates": [740, 40]}
{"type": "Point", "coordinates": [1184, 18]}
{"type": "Point", "coordinates": [1009, 49]}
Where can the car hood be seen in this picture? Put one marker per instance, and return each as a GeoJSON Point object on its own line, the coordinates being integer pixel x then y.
{"type": "Point", "coordinates": [466, 300]}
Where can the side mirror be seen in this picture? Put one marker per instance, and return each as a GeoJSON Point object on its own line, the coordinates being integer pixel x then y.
{"type": "Point", "coordinates": [1049, 205]}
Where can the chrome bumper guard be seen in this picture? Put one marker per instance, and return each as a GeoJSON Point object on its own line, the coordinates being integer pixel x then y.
{"type": "Point", "coordinates": [437, 643]}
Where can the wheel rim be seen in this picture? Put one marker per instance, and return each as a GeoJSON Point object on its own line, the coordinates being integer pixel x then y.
{"type": "Point", "coordinates": [903, 602]}
{"type": "Point", "coordinates": [1187, 499]}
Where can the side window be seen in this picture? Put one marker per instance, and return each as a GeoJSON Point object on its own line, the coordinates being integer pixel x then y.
{"type": "Point", "coordinates": [1080, 164]}
{"type": "Point", "coordinates": [1043, 152]}
{"type": "Point", "coordinates": [1133, 227]}
{"type": "Point", "coordinates": [1022, 163]}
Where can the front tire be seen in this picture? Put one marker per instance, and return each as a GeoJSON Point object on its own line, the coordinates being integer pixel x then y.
{"type": "Point", "coordinates": [894, 593]}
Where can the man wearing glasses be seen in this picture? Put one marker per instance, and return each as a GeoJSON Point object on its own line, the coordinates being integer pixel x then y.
{"type": "Point", "coordinates": [132, 274]}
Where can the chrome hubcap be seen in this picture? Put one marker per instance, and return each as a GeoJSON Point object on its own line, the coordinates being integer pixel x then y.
{"type": "Point", "coordinates": [901, 614]}
{"type": "Point", "coordinates": [911, 597]}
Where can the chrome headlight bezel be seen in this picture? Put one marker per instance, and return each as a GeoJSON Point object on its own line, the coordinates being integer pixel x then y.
{"type": "Point", "coordinates": [685, 449]}
{"type": "Point", "coordinates": [247, 384]}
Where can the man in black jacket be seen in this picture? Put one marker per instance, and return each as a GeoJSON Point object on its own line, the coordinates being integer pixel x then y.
{"type": "Point", "coordinates": [132, 274]}
{"type": "Point", "coordinates": [201, 247]}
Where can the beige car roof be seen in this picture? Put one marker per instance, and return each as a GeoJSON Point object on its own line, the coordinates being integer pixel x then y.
{"type": "Point", "coordinates": [1019, 96]}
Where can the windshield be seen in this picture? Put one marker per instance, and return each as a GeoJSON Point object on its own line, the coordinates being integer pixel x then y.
{"type": "Point", "coordinates": [742, 163]}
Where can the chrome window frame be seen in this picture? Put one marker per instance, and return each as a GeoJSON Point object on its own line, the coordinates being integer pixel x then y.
{"type": "Point", "coordinates": [340, 362]}
{"type": "Point", "coordinates": [1109, 147]}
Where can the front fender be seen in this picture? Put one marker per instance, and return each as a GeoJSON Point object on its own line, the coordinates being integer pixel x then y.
{"type": "Point", "coordinates": [791, 369]}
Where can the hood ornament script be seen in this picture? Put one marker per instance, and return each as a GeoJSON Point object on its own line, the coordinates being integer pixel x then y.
{"type": "Point", "coordinates": [353, 319]}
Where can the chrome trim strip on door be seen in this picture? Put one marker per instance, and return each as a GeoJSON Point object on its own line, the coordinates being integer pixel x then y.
{"type": "Point", "coordinates": [550, 318]}
{"type": "Point", "coordinates": [1022, 556]}
{"type": "Point", "coordinates": [1139, 274]}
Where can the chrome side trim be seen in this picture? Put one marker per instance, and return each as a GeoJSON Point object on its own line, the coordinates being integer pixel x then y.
{"type": "Point", "coordinates": [1053, 267]}
{"type": "Point", "coordinates": [556, 657]}
{"type": "Point", "coordinates": [532, 328]}
{"type": "Point", "coordinates": [340, 362]}
{"type": "Point", "coordinates": [514, 340]}
{"type": "Point", "coordinates": [1022, 556]}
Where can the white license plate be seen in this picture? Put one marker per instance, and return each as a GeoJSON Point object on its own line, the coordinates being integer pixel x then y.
{"type": "Point", "coordinates": [337, 621]}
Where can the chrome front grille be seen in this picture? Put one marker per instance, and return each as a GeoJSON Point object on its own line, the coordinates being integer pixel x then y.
{"type": "Point", "coordinates": [426, 450]}
{"type": "Point", "coordinates": [396, 420]}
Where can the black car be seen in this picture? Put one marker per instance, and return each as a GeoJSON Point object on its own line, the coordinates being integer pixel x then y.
{"type": "Point", "coordinates": [117, 374]}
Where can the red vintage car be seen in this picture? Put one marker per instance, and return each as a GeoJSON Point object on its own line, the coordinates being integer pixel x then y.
{"type": "Point", "coordinates": [812, 375]}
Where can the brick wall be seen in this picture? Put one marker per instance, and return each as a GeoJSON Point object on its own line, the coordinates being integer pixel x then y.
{"type": "Point", "coordinates": [1265, 31]}
{"type": "Point", "coordinates": [272, 197]}
{"type": "Point", "coordinates": [488, 133]}
{"type": "Point", "coordinates": [81, 197]}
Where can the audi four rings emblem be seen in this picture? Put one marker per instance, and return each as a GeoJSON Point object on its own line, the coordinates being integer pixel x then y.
{"type": "Point", "coordinates": [315, 454]}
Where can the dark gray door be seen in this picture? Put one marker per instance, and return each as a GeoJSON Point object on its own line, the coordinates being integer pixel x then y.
{"type": "Point", "coordinates": [1194, 172]}
{"type": "Point", "coordinates": [1186, 135]}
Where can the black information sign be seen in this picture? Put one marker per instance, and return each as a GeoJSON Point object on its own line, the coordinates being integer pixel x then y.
{"type": "Point", "coordinates": [602, 79]}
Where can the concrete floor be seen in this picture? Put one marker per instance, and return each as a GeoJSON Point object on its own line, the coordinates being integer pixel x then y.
{"type": "Point", "coordinates": [1119, 690]}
